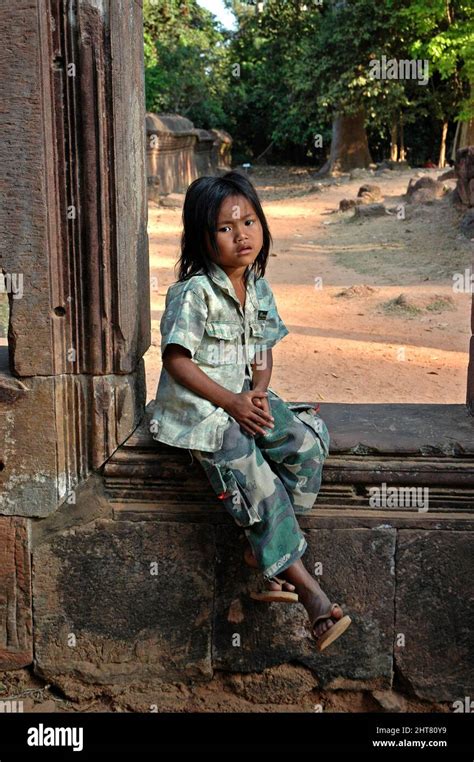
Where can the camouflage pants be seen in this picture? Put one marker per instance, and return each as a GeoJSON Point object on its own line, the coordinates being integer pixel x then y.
{"type": "Point", "coordinates": [263, 481]}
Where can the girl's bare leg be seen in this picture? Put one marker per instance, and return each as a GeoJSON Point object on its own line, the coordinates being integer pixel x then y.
{"type": "Point", "coordinates": [271, 585]}
{"type": "Point", "coordinates": [309, 592]}
{"type": "Point", "coordinates": [310, 595]}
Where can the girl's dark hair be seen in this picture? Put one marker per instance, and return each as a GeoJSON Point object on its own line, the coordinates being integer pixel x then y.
{"type": "Point", "coordinates": [200, 213]}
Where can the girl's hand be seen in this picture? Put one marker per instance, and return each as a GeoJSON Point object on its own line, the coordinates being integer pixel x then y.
{"type": "Point", "coordinates": [264, 404]}
{"type": "Point", "coordinates": [245, 409]}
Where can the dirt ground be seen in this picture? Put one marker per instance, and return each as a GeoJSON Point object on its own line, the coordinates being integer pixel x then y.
{"type": "Point", "coordinates": [282, 688]}
{"type": "Point", "coordinates": [370, 305]}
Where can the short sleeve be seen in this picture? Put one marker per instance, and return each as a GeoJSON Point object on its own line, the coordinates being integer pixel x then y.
{"type": "Point", "coordinates": [275, 329]}
{"type": "Point", "coordinates": [183, 320]}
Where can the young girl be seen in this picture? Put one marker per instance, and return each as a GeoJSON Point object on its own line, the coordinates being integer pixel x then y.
{"type": "Point", "coordinates": [262, 455]}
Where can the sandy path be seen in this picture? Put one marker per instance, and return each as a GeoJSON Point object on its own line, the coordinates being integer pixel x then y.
{"type": "Point", "coordinates": [339, 348]}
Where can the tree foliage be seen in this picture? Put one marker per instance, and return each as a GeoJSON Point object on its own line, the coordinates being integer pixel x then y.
{"type": "Point", "coordinates": [291, 66]}
{"type": "Point", "coordinates": [185, 61]}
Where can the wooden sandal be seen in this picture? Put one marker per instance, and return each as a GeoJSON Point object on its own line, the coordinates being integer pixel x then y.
{"type": "Point", "coordinates": [331, 634]}
{"type": "Point", "coordinates": [283, 596]}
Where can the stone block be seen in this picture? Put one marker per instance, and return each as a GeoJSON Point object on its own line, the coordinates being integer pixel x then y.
{"type": "Point", "coordinates": [119, 602]}
{"type": "Point", "coordinates": [435, 613]}
{"type": "Point", "coordinates": [358, 573]}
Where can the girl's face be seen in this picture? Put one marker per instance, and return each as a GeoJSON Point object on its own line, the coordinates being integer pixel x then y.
{"type": "Point", "coordinates": [239, 234]}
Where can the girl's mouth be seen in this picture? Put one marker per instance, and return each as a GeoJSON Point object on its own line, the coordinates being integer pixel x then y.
{"type": "Point", "coordinates": [244, 251]}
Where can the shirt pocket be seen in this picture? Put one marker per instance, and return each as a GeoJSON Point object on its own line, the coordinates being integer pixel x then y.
{"type": "Point", "coordinates": [220, 344]}
{"type": "Point", "coordinates": [306, 413]}
{"type": "Point", "coordinates": [267, 329]}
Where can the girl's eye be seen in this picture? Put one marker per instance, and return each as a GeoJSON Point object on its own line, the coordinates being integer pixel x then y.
{"type": "Point", "coordinates": [227, 227]}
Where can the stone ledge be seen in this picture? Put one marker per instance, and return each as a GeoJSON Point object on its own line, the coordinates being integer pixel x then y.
{"type": "Point", "coordinates": [402, 445]}
{"type": "Point", "coordinates": [324, 518]}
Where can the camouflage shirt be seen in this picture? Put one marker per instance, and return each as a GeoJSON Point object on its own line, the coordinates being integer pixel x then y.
{"type": "Point", "coordinates": [205, 315]}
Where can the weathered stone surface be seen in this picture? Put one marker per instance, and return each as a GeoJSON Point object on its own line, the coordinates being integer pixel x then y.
{"type": "Point", "coordinates": [435, 613]}
{"type": "Point", "coordinates": [369, 193]}
{"type": "Point", "coordinates": [53, 436]}
{"type": "Point", "coordinates": [16, 631]}
{"type": "Point", "coordinates": [390, 701]}
{"type": "Point", "coordinates": [356, 174]}
{"type": "Point", "coordinates": [421, 445]}
{"type": "Point", "coordinates": [450, 174]}
{"type": "Point", "coordinates": [425, 190]}
{"type": "Point", "coordinates": [401, 428]}
{"type": "Point", "coordinates": [89, 503]}
{"type": "Point", "coordinates": [370, 210]}
{"type": "Point", "coordinates": [467, 223]}
{"type": "Point", "coordinates": [464, 169]}
{"type": "Point", "coordinates": [283, 684]}
{"type": "Point", "coordinates": [221, 151]}
{"type": "Point", "coordinates": [25, 166]}
{"type": "Point", "coordinates": [348, 203]}
{"type": "Point", "coordinates": [358, 573]}
{"type": "Point", "coordinates": [81, 247]}
{"type": "Point", "coordinates": [203, 151]}
{"type": "Point", "coordinates": [178, 153]}
{"type": "Point", "coordinates": [102, 615]}
{"type": "Point", "coordinates": [74, 220]}
{"type": "Point", "coordinates": [129, 293]}
{"type": "Point", "coordinates": [171, 158]}
{"type": "Point", "coordinates": [391, 164]}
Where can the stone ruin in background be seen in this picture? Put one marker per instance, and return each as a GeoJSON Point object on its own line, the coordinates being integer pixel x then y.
{"type": "Point", "coordinates": [178, 153]}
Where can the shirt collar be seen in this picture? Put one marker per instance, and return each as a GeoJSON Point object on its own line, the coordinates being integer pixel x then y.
{"type": "Point", "coordinates": [217, 274]}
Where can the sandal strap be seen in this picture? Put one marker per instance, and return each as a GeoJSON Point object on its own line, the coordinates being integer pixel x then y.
{"type": "Point", "coordinates": [328, 615]}
{"type": "Point", "coordinates": [280, 582]}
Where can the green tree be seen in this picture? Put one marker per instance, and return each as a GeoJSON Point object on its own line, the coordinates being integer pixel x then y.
{"type": "Point", "coordinates": [186, 61]}
{"type": "Point", "coordinates": [442, 32]}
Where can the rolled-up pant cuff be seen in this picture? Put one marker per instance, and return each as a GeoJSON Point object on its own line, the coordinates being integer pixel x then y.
{"type": "Point", "coordinates": [285, 562]}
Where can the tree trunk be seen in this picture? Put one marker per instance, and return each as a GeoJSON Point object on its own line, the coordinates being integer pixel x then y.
{"type": "Point", "coordinates": [401, 154]}
{"type": "Point", "coordinates": [394, 140]}
{"type": "Point", "coordinates": [442, 148]}
{"type": "Point", "coordinates": [349, 147]}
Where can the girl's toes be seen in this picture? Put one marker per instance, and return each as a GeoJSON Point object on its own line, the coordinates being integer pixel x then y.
{"type": "Point", "coordinates": [323, 626]}
{"type": "Point", "coordinates": [273, 585]}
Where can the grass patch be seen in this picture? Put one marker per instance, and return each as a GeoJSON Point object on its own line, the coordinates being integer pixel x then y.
{"type": "Point", "coordinates": [439, 305]}
{"type": "Point", "coordinates": [400, 306]}
{"type": "Point", "coordinates": [4, 310]}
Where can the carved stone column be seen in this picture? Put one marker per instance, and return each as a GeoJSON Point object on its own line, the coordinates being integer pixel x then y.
{"type": "Point", "coordinates": [73, 222]}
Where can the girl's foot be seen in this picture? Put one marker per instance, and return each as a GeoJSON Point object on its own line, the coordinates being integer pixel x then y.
{"type": "Point", "coordinates": [270, 584]}
{"type": "Point", "coordinates": [316, 603]}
